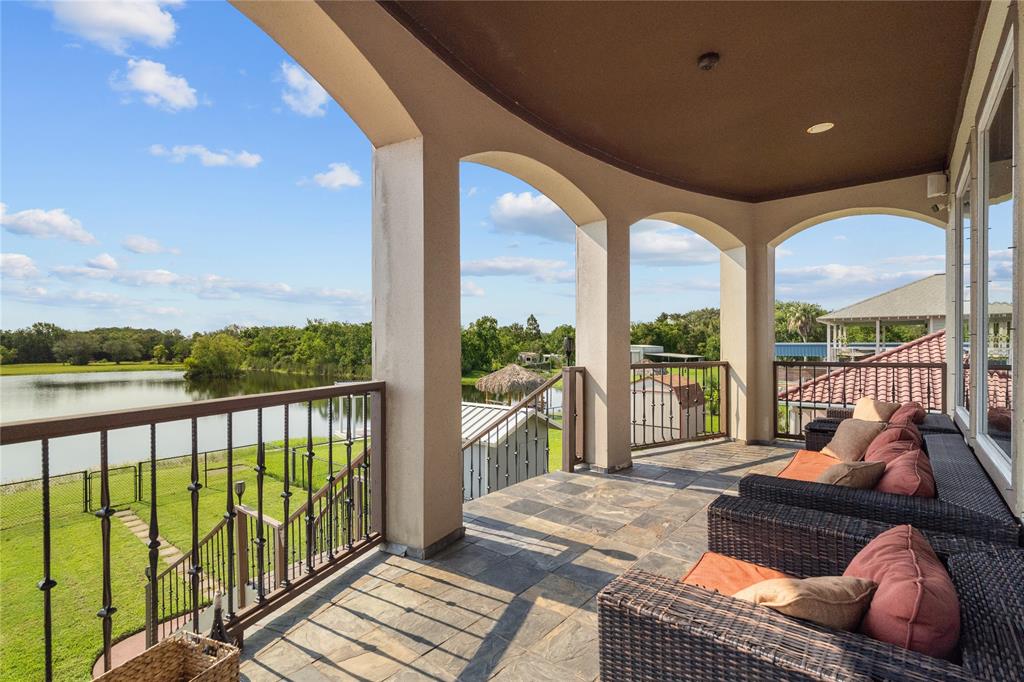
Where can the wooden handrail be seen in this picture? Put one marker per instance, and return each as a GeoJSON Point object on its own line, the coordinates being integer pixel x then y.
{"type": "Point", "coordinates": [57, 427]}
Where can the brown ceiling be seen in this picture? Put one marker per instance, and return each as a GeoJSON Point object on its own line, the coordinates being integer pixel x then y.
{"type": "Point", "coordinates": [619, 81]}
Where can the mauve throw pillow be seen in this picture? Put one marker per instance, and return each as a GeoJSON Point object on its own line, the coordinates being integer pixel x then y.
{"type": "Point", "coordinates": [890, 451]}
{"type": "Point", "coordinates": [853, 436]}
{"type": "Point", "coordinates": [908, 474]}
{"type": "Point", "coordinates": [912, 413]}
{"type": "Point", "coordinates": [893, 434]}
{"type": "Point", "coordinates": [915, 605]}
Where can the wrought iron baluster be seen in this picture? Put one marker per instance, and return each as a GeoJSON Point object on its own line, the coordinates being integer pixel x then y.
{"type": "Point", "coordinates": [309, 488]}
{"type": "Point", "coordinates": [330, 479]}
{"type": "Point", "coordinates": [285, 496]}
{"type": "Point", "coordinates": [104, 513]}
{"type": "Point", "coordinates": [643, 402]}
{"type": "Point", "coordinates": [365, 497]}
{"type": "Point", "coordinates": [194, 487]}
{"type": "Point", "coordinates": [350, 473]}
{"type": "Point", "coordinates": [47, 583]}
{"type": "Point", "coordinates": [229, 517]}
{"type": "Point", "coordinates": [154, 538]}
{"type": "Point", "coordinates": [261, 540]}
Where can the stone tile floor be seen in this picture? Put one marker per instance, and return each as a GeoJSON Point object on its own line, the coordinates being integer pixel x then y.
{"type": "Point", "coordinates": [514, 600]}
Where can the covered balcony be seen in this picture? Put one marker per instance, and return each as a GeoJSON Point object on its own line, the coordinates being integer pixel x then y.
{"type": "Point", "coordinates": [745, 122]}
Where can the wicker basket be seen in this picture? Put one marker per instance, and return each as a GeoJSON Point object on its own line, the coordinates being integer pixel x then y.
{"type": "Point", "coordinates": [179, 658]}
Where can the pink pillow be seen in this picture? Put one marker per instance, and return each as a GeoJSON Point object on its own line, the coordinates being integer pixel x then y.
{"type": "Point", "coordinates": [890, 451]}
{"type": "Point", "coordinates": [893, 434]}
{"type": "Point", "coordinates": [908, 413]}
{"type": "Point", "coordinates": [908, 474]}
{"type": "Point", "coordinates": [915, 605]}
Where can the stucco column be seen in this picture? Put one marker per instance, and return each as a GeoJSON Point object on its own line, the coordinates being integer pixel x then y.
{"type": "Point", "coordinates": [416, 340]}
{"type": "Point", "coordinates": [602, 340]}
{"type": "Point", "coordinates": [748, 339]}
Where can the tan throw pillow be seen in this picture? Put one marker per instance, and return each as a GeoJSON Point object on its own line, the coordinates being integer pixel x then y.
{"type": "Point", "coordinates": [863, 475]}
{"type": "Point", "coordinates": [836, 602]}
{"type": "Point", "coordinates": [853, 436]}
{"type": "Point", "coordinates": [872, 410]}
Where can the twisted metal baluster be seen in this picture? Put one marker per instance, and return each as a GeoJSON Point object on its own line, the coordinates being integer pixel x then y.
{"type": "Point", "coordinates": [348, 468]}
{"type": "Point", "coordinates": [285, 495]}
{"type": "Point", "coordinates": [330, 479]}
{"type": "Point", "coordinates": [194, 487]}
{"type": "Point", "coordinates": [365, 497]}
{"type": "Point", "coordinates": [154, 539]}
{"type": "Point", "coordinates": [229, 517]}
{"type": "Point", "coordinates": [47, 583]}
{"type": "Point", "coordinates": [261, 467]}
{"type": "Point", "coordinates": [104, 513]}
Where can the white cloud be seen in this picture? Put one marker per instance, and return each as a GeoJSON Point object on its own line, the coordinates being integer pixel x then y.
{"type": "Point", "coordinates": [533, 214]}
{"type": "Point", "coordinates": [655, 242]}
{"type": "Point", "coordinates": [840, 238]}
{"type": "Point", "coordinates": [134, 278]}
{"type": "Point", "coordinates": [224, 157]}
{"type": "Point", "coordinates": [783, 252]}
{"type": "Point", "coordinates": [51, 224]}
{"type": "Point", "coordinates": [137, 243]}
{"type": "Point", "coordinates": [302, 93]}
{"type": "Point", "coordinates": [158, 87]}
{"type": "Point", "coordinates": [472, 191]}
{"type": "Point", "coordinates": [338, 175]}
{"type": "Point", "coordinates": [114, 24]}
{"type": "Point", "coordinates": [540, 269]}
{"type": "Point", "coordinates": [17, 266]}
{"type": "Point", "coordinates": [79, 298]}
{"type": "Point", "coordinates": [922, 260]}
{"type": "Point", "coordinates": [104, 261]}
{"type": "Point", "coordinates": [471, 288]}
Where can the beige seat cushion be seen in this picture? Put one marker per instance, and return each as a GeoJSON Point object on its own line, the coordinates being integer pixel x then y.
{"type": "Point", "coordinates": [853, 436]}
{"type": "Point", "coordinates": [872, 410]}
{"type": "Point", "coordinates": [863, 475]}
{"type": "Point", "coordinates": [836, 602]}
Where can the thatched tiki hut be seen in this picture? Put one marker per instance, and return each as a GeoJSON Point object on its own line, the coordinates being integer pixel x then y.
{"type": "Point", "coordinates": [511, 380]}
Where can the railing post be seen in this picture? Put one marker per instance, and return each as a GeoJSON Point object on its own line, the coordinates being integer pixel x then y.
{"type": "Point", "coordinates": [568, 419]}
{"type": "Point", "coordinates": [280, 559]}
{"type": "Point", "coordinates": [242, 557]}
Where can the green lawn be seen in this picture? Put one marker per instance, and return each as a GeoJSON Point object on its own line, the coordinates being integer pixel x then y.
{"type": "Point", "coordinates": [61, 368]}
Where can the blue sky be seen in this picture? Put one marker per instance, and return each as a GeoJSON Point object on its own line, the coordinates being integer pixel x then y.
{"type": "Point", "coordinates": [167, 164]}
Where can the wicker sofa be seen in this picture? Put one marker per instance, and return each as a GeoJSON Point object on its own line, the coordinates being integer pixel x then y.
{"type": "Point", "coordinates": [657, 628]}
{"type": "Point", "coordinates": [967, 503]}
{"type": "Point", "coordinates": [819, 432]}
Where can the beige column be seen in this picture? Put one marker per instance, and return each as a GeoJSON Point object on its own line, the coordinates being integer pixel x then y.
{"type": "Point", "coordinates": [602, 341]}
{"type": "Point", "coordinates": [416, 340]}
{"type": "Point", "coordinates": [748, 339]}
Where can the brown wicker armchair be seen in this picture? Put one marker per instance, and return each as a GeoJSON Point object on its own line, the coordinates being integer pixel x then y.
{"type": "Point", "coordinates": [655, 628]}
{"type": "Point", "coordinates": [967, 503]}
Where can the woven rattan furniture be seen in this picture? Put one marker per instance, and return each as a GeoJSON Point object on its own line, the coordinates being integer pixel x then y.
{"type": "Point", "coordinates": [967, 503]}
{"type": "Point", "coordinates": [182, 657]}
{"type": "Point", "coordinates": [656, 628]}
{"type": "Point", "coordinates": [819, 432]}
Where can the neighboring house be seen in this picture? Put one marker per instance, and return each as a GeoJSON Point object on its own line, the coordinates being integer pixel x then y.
{"type": "Point", "coordinates": [806, 399]}
{"type": "Point", "coordinates": [637, 352]}
{"type": "Point", "coordinates": [512, 452]}
{"type": "Point", "coordinates": [665, 408]}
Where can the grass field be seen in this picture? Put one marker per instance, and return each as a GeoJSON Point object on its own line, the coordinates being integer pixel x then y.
{"type": "Point", "coordinates": [61, 368]}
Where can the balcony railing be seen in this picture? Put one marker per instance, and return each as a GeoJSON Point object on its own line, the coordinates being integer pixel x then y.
{"type": "Point", "coordinates": [678, 402]}
{"type": "Point", "coordinates": [257, 561]}
{"type": "Point", "coordinates": [540, 433]}
{"type": "Point", "coordinates": [806, 391]}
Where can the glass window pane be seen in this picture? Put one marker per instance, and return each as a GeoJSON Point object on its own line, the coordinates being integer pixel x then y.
{"type": "Point", "coordinates": [999, 275]}
{"type": "Point", "coordinates": [963, 388]}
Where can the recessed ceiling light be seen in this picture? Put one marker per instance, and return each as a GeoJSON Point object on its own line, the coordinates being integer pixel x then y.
{"type": "Point", "coordinates": [821, 128]}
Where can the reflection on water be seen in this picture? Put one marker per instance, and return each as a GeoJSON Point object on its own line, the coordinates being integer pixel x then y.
{"type": "Point", "coordinates": [55, 395]}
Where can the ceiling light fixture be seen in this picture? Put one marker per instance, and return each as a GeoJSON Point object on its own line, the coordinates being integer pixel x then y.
{"type": "Point", "coordinates": [707, 61]}
{"type": "Point", "coordinates": [821, 128]}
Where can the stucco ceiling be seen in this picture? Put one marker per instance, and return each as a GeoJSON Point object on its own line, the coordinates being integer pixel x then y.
{"type": "Point", "coordinates": [619, 81]}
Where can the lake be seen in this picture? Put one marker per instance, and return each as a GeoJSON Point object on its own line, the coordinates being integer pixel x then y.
{"type": "Point", "coordinates": [58, 395]}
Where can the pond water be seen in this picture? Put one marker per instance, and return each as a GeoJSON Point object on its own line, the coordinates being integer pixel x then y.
{"type": "Point", "coordinates": [58, 395]}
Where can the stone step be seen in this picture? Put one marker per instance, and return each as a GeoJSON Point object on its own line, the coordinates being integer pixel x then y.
{"type": "Point", "coordinates": [168, 550]}
{"type": "Point", "coordinates": [123, 513]}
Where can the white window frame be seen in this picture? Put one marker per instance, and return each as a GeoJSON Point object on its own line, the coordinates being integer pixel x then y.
{"type": "Point", "coordinates": [998, 464]}
{"type": "Point", "coordinates": [965, 183]}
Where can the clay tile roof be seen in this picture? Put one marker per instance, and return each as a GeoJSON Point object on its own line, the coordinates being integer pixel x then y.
{"type": "Point", "coordinates": [870, 377]}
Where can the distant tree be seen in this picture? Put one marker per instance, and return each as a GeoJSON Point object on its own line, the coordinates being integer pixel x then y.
{"type": "Point", "coordinates": [797, 321]}
{"type": "Point", "coordinates": [122, 349]}
{"type": "Point", "coordinates": [533, 331]}
{"type": "Point", "coordinates": [159, 353]}
{"type": "Point", "coordinates": [34, 343]}
{"type": "Point", "coordinates": [77, 348]}
{"type": "Point", "coordinates": [181, 349]}
{"type": "Point", "coordinates": [217, 355]}
{"type": "Point", "coordinates": [7, 355]}
{"type": "Point", "coordinates": [801, 319]}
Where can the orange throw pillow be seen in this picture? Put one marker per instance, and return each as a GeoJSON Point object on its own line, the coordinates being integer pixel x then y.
{"type": "Point", "coordinates": [915, 605]}
{"type": "Point", "coordinates": [722, 573]}
{"type": "Point", "coordinates": [908, 474]}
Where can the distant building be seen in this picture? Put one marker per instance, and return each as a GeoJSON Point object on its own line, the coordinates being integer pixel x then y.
{"type": "Point", "coordinates": [665, 408]}
{"type": "Point", "coordinates": [637, 352]}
